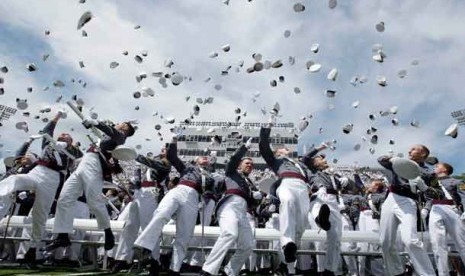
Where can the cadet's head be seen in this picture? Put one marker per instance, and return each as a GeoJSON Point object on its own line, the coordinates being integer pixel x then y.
{"type": "Point", "coordinates": [126, 128]}
{"type": "Point", "coordinates": [443, 169]}
{"type": "Point", "coordinates": [376, 186]}
{"type": "Point", "coordinates": [163, 152]}
{"type": "Point", "coordinates": [202, 161]}
{"type": "Point", "coordinates": [27, 159]}
{"type": "Point", "coordinates": [418, 153]}
{"type": "Point", "coordinates": [246, 165]}
{"type": "Point", "coordinates": [65, 137]}
{"type": "Point", "coordinates": [282, 151]}
{"type": "Point", "coordinates": [319, 162]}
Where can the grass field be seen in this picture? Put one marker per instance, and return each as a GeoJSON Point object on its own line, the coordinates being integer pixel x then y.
{"type": "Point", "coordinates": [51, 270]}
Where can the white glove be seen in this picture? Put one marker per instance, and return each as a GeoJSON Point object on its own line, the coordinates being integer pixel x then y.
{"type": "Point", "coordinates": [248, 144]}
{"type": "Point", "coordinates": [272, 208]}
{"type": "Point", "coordinates": [61, 145]}
{"type": "Point", "coordinates": [344, 181]}
{"type": "Point", "coordinates": [424, 213]}
{"type": "Point", "coordinates": [88, 123]}
{"type": "Point", "coordinates": [22, 195]}
{"type": "Point", "coordinates": [462, 217]}
{"type": "Point", "coordinates": [257, 195]}
{"type": "Point", "coordinates": [34, 137]}
{"type": "Point", "coordinates": [419, 182]}
{"type": "Point", "coordinates": [328, 144]}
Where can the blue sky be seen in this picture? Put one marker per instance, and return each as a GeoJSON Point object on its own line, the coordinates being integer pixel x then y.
{"type": "Point", "coordinates": [188, 31]}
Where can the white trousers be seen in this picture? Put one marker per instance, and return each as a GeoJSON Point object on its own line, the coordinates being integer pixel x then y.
{"type": "Point", "coordinates": [88, 179]}
{"type": "Point", "coordinates": [251, 262]}
{"type": "Point", "coordinates": [443, 220]}
{"type": "Point", "coordinates": [235, 229]}
{"type": "Point", "coordinates": [332, 260]}
{"type": "Point", "coordinates": [401, 212]}
{"type": "Point", "coordinates": [206, 214]}
{"type": "Point", "coordinates": [184, 202]}
{"type": "Point", "coordinates": [44, 182]}
{"type": "Point", "coordinates": [369, 265]}
{"type": "Point", "coordinates": [351, 261]}
{"type": "Point", "coordinates": [140, 212]}
{"type": "Point", "coordinates": [293, 210]}
{"type": "Point", "coordinates": [81, 210]}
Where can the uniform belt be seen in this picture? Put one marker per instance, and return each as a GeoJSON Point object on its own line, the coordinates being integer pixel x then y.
{"type": "Point", "coordinates": [236, 192]}
{"type": "Point", "coordinates": [443, 202]}
{"type": "Point", "coordinates": [293, 175]}
{"type": "Point", "coordinates": [332, 192]}
{"type": "Point", "coordinates": [209, 196]}
{"type": "Point", "coordinates": [398, 191]}
{"type": "Point", "coordinates": [148, 184]}
{"type": "Point", "coordinates": [92, 149]}
{"type": "Point", "coordinates": [48, 164]}
{"type": "Point", "coordinates": [191, 184]}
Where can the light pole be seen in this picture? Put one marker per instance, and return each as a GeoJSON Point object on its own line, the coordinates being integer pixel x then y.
{"type": "Point", "coordinates": [6, 112]}
{"type": "Point", "coordinates": [459, 116]}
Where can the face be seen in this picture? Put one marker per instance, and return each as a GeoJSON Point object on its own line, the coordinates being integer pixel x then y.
{"type": "Point", "coordinates": [417, 153]}
{"type": "Point", "coordinates": [320, 163]}
{"type": "Point", "coordinates": [124, 127]}
{"type": "Point", "coordinates": [203, 161]}
{"type": "Point", "coordinates": [440, 169]}
{"type": "Point", "coordinates": [163, 152]}
{"type": "Point", "coordinates": [375, 186]}
{"type": "Point", "coordinates": [283, 152]}
{"type": "Point", "coordinates": [65, 137]}
{"type": "Point", "coordinates": [25, 160]}
{"type": "Point", "coordinates": [246, 166]}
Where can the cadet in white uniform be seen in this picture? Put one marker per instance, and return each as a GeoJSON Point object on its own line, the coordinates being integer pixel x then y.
{"type": "Point", "coordinates": [232, 216]}
{"type": "Point", "coordinates": [402, 213]}
{"type": "Point", "coordinates": [89, 176]}
{"type": "Point", "coordinates": [446, 218]}
{"type": "Point", "coordinates": [182, 201]}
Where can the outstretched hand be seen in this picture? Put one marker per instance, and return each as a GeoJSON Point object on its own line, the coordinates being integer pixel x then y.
{"type": "Point", "coordinates": [248, 144]}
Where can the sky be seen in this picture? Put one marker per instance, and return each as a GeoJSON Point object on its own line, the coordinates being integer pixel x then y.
{"type": "Point", "coordinates": [425, 38]}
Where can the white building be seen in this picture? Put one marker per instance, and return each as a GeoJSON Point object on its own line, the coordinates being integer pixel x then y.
{"type": "Point", "coordinates": [223, 138]}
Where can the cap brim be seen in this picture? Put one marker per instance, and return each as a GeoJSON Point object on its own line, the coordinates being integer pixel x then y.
{"type": "Point", "coordinates": [124, 153]}
{"type": "Point", "coordinates": [405, 168]}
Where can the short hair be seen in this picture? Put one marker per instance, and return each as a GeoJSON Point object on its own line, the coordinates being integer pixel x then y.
{"type": "Point", "coordinates": [131, 130]}
{"type": "Point", "coordinates": [425, 149]}
{"type": "Point", "coordinates": [275, 151]}
{"type": "Point", "coordinates": [246, 158]}
{"type": "Point", "coordinates": [448, 167]}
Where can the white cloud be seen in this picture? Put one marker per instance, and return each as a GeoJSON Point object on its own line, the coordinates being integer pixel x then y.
{"type": "Point", "coordinates": [187, 31]}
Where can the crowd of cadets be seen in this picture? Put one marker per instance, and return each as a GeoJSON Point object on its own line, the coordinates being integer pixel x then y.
{"type": "Point", "coordinates": [307, 194]}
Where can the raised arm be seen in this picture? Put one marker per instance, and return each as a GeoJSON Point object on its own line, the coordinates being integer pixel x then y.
{"type": "Point", "coordinates": [172, 156]}
{"type": "Point", "coordinates": [50, 129]}
{"type": "Point", "coordinates": [23, 149]}
{"type": "Point", "coordinates": [153, 163]}
{"type": "Point", "coordinates": [235, 160]}
{"type": "Point", "coordinates": [264, 147]}
{"type": "Point", "coordinates": [358, 181]}
{"type": "Point", "coordinates": [308, 157]}
{"type": "Point", "coordinates": [110, 131]}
